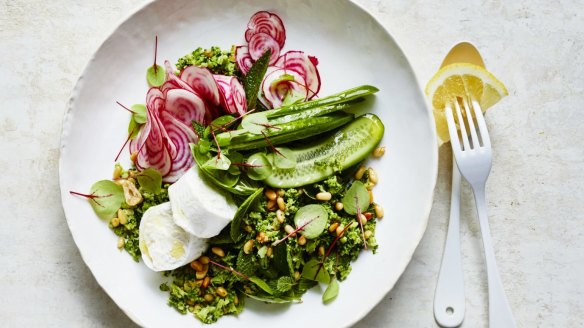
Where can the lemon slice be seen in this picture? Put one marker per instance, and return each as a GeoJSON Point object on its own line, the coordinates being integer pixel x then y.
{"type": "Point", "coordinates": [461, 80]}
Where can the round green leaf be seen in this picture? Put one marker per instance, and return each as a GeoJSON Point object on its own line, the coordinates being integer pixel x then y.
{"type": "Point", "coordinates": [139, 113]}
{"type": "Point", "coordinates": [108, 197]}
{"type": "Point", "coordinates": [331, 292]}
{"type": "Point", "coordinates": [356, 198]}
{"type": "Point", "coordinates": [313, 218]}
{"type": "Point", "coordinates": [155, 77]}
{"type": "Point", "coordinates": [260, 167]}
{"type": "Point", "coordinates": [150, 181]}
{"type": "Point", "coordinates": [219, 162]}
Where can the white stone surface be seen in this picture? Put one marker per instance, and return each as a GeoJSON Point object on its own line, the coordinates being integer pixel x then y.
{"type": "Point", "coordinates": [535, 192]}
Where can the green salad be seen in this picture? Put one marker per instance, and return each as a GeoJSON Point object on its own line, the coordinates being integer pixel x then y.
{"type": "Point", "coordinates": [244, 183]}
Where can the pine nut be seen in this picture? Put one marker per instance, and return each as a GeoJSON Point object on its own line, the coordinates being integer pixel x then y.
{"type": "Point", "coordinates": [204, 259]}
{"type": "Point", "coordinates": [208, 297]}
{"type": "Point", "coordinates": [247, 228]}
{"type": "Point", "coordinates": [206, 282]}
{"type": "Point", "coordinates": [333, 227]}
{"type": "Point", "coordinates": [360, 172]}
{"type": "Point", "coordinates": [289, 230]}
{"type": "Point", "coordinates": [222, 292]}
{"type": "Point", "coordinates": [321, 250]}
{"type": "Point", "coordinates": [281, 204]}
{"type": "Point", "coordinates": [121, 242]}
{"type": "Point", "coordinates": [378, 211]}
{"type": "Point", "coordinates": [235, 300]}
{"type": "Point", "coordinates": [122, 216]}
{"type": "Point", "coordinates": [247, 248]}
{"type": "Point", "coordinates": [271, 205]}
{"type": "Point", "coordinates": [261, 237]}
{"type": "Point", "coordinates": [372, 175]}
{"type": "Point", "coordinates": [280, 216]}
{"type": "Point", "coordinates": [339, 229]}
{"type": "Point", "coordinates": [324, 196]}
{"type": "Point", "coordinates": [362, 218]}
{"type": "Point", "coordinates": [339, 206]}
{"type": "Point", "coordinates": [269, 252]}
{"type": "Point", "coordinates": [133, 156]}
{"type": "Point", "coordinates": [115, 222]}
{"type": "Point", "coordinates": [370, 196]}
{"type": "Point", "coordinates": [302, 240]}
{"type": "Point", "coordinates": [117, 172]}
{"type": "Point", "coordinates": [218, 251]}
{"type": "Point", "coordinates": [281, 192]}
{"type": "Point", "coordinates": [368, 234]}
{"type": "Point", "coordinates": [201, 274]}
{"type": "Point", "coordinates": [270, 194]}
{"type": "Point", "coordinates": [379, 151]}
{"type": "Point", "coordinates": [197, 266]}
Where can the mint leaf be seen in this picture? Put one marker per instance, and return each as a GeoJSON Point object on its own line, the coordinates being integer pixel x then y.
{"type": "Point", "coordinates": [241, 212]}
{"type": "Point", "coordinates": [253, 79]}
{"type": "Point", "coordinates": [284, 284]}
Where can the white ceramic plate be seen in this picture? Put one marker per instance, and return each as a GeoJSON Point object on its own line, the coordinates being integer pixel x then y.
{"type": "Point", "coordinates": [353, 49]}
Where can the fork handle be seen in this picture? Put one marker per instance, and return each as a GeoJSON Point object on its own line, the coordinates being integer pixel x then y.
{"type": "Point", "coordinates": [500, 315]}
{"type": "Point", "coordinates": [449, 299]}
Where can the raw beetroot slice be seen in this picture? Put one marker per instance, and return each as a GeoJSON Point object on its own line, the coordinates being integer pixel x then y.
{"type": "Point", "coordinates": [268, 23]}
{"type": "Point", "coordinates": [280, 83]}
{"type": "Point", "coordinates": [260, 43]}
{"type": "Point", "coordinates": [232, 94]}
{"type": "Point", "coordinates": [305, 65]}
{"type": "Point", "coordinates": [185, 106]}
{"type": "Point", "coordinates": [202, 82]}
{"type": "Point", "coordinates": [243, 59]}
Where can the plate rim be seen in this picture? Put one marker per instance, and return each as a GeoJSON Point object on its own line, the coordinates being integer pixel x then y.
{"type": "Point", "coordinates": [68, 118]}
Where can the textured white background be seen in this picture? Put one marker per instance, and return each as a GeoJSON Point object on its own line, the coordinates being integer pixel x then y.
{"type": "Point", "coordinates": [535, 192]}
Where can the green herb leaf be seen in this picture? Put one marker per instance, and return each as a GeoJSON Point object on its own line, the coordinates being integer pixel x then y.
{"type": "Point", "coordinates": [139, 115]}
{"type": "Point", "coordinates": [255, 123]}
{"type": "Point", "coordinates": [150, 181]}
{"type": "Point", "coordinates": [313, 218]}
{"type": "Point", "coordinates": [281, 299]}
{"type": "Point", "coordinates": [260, 168]}
{"type": "Point", "coordinates": [219, 162]}
{"type": "Point", "coordinates": [156, 77]}
{"type": "Point", "coordinates": [284, 284]}
{"type": "Point", "coordinates": [108, 198]}
{"type": "Point", "coordinates": [282, 261]}
{"type": "Point", "coordinates": [310, 269]}
{"type": "Point", "coordinates": [356, 196]}
{"type": "Point", "coordinates": [235, 157]}
{"type": "Point", "coordinates": [241, 212]}
{"type": "Point", "coordinates": [253, 79]}
{"type": "Point", "coordinates": [331, 292]}
{"type": "Point", "coordinates": [246, 264]}
{"type": "Point", "coordinates": [199, 129]}
{"type": "Point", "coordinates": [261, 284]}
{"type": "Point", "coordinates": [262, 251]}
{"type": "Point", "coordinates": [286, 159]}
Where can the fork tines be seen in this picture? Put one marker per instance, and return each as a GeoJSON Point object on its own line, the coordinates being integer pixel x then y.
{"type": "Point", "coordinates": [466, 122]}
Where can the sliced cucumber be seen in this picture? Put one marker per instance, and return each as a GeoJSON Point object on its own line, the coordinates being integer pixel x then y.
{"type": "Point", "coordinates": [343, 149]}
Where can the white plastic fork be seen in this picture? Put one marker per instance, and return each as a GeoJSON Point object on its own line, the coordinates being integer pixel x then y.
{"type": "Point", "coordinates": [474, 159]}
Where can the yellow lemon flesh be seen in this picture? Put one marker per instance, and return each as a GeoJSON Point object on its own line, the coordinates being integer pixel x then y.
{"type": "Point", "coordinates": [461, 80]}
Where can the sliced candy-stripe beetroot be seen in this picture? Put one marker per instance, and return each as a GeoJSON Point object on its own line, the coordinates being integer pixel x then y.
{"type": "Point", "coordinates": [243, 59]}
{"type": "Point", "coordinates": [201, 80]}
{"type": "Point", "coordinates": [305, 65]}
{"type": "Point", "coordinates": [180, 136]}
{"type": "Point", "coordinates": [173, 79]}
{"type": "Point", "coordinates": [279, 83]}
{"type": "Point", "coordinates": [185, 106]}
{"type": "Point", "coordinates": [232, 94]}
{"type": "Point", "coordinates": [268, 23]}
{"type": "Point", "coordinates": [260, 43]}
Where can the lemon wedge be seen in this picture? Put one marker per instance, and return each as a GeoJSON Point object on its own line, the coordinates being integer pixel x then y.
{"type": "Point", "coordinates": [461, 80]}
